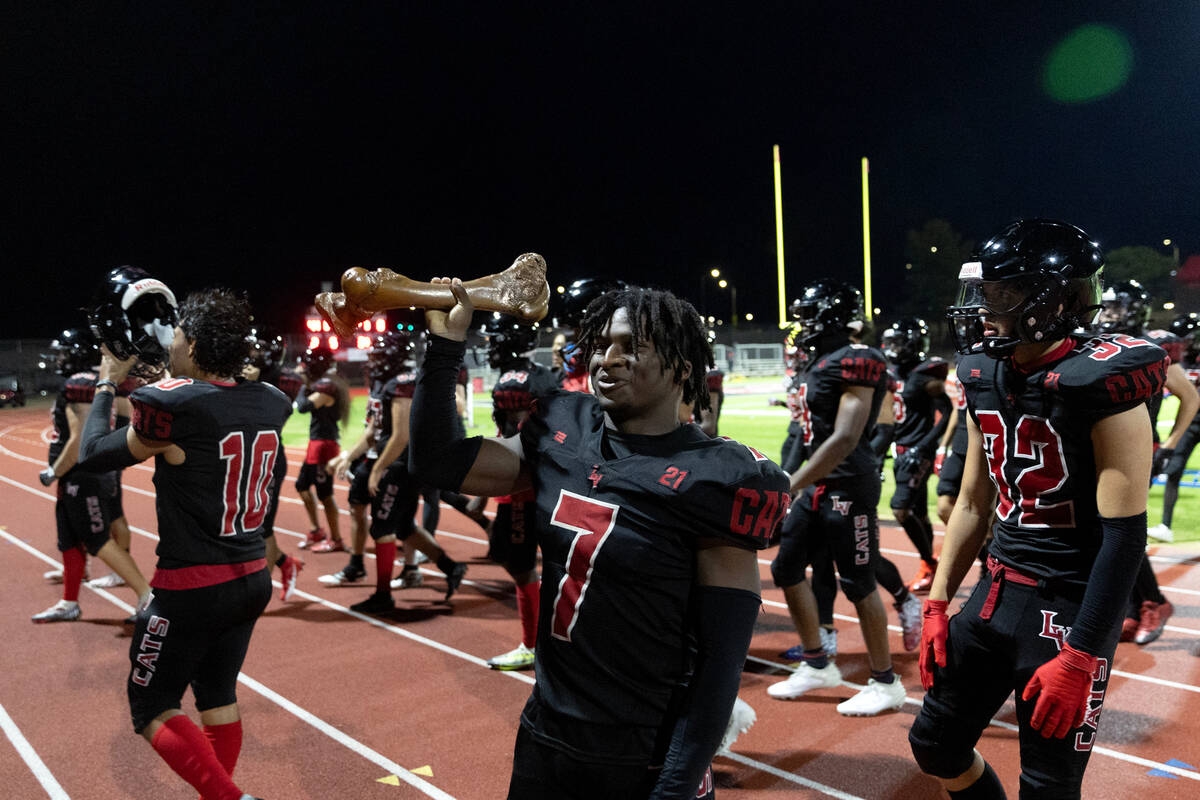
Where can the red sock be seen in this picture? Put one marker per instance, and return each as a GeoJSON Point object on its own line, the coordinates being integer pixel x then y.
{"type": "Point", "coordinates": [226, 741]}
{"type": "Point", "coordinates": [186, 750]}
{"type": "Point", "coordinates": [73, 563]}
{"type": "Point", "coordinates": [527, 610]}
{"type": "Point", "coordinates": [385, 555]}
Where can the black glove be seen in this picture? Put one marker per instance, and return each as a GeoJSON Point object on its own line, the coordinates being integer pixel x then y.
{"type": "Point", "coordinates": [1161, 456]}
{"type": "Point", "coordinates": [47, 476]}
{"type": "Point", "coordinates": [911, 459]}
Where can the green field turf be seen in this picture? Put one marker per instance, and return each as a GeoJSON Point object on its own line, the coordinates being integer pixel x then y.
{"type": "Point", "coordinates": [748, 419]}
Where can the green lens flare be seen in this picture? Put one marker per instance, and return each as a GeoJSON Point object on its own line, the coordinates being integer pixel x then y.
{"type": "Point", "coordinates": [1091, 62]}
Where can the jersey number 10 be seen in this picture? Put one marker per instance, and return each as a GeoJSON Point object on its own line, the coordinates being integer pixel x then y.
{"type": "Point", "coordinates": [253, 501]}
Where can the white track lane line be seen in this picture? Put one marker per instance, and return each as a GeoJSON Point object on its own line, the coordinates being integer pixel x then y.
{"type": "Point", "coordinates": [31, 758]}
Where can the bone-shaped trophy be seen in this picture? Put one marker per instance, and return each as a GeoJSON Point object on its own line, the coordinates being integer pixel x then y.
{"type": "Point", "coordinates": [521, 291]}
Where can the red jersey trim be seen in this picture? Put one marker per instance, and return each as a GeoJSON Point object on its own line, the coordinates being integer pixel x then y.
{"type": "Point", "coordinates": [1067, 345]}
{"type": "Point", "coordinates": [204, 575]}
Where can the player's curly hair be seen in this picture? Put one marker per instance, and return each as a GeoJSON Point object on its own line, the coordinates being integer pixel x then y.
{"type": "Point", "coordinates": [218, 321]}
{"type": "Point", "coordinates": [673, 324]}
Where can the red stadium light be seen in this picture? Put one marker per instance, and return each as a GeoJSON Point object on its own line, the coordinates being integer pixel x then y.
{"type": "Point", "coordinates": [313, 325]}
{"type": "Point", "coordinates": [365, 325]}
{"type": "Point", "coordinates": [324, 326]}
{"type": "Point", "coordinates": [333, 341]}
{"type": "Point", "coordinates": [380, 324]}
{"type": "Point", "coordinates": [362, 342]}
{"type": "Point", "coordinates": [314, 342]}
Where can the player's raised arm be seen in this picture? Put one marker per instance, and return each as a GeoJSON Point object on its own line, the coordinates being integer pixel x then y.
{"type": "Point", "coordinates": [437, 452]}
{"type": "Point", "coordinates": [101, 449]}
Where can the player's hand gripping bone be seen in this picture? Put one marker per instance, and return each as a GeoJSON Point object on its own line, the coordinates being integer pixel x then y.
{"type": "Point", "coordinates": [521, 291]}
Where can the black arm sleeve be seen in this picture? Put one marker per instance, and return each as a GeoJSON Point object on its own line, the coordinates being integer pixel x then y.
{"type": "Point", "coordinates": [1110, 583]}
{"type": "Point", "coordinates": [303, 404]}
{"type": "Point", "coordinates": [99, 449]}
{"type": "Point", "coordinates": [437, 451]}
{"type": "Point", "coordinates": [724, 624]}
{"type": "Point", "coordinates": [929, 442]}
{"type": "Point", "coordinates": [884, 433]}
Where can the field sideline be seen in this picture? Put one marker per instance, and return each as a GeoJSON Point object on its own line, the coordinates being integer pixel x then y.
{"type": "Point", "coordinates": [748, 418]}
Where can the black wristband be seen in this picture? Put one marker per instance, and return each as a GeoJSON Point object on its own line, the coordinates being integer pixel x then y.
{"type": "Point", "coordinates": [1111, 581]}
{"type": "Point", "coordinates": [106, 382]}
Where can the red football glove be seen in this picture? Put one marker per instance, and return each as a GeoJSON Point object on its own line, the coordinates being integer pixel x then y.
{"type": "Point", "coordinates": [935, 625]}
{"type": "Point", "coordinates": [1065, 683]}
{"type": "Point", "coordinates": [938, 460]}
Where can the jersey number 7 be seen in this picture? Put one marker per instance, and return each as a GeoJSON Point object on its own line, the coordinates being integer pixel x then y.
{"type": "Point", "coordinates": [592, 521]}
{"type": "Point", "coordinates": [252, 501]}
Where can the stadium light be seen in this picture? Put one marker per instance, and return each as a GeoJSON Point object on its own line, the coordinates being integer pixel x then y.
{"type": "Point", "coordinates": [362, 342]}
{"type": "Point", "coordinates": [716, 273]}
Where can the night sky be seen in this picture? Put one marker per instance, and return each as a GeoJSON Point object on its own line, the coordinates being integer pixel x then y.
{"type": "Point", "coordinates": [271, 145]}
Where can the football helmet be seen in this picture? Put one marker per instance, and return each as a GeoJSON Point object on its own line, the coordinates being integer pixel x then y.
{"type": "Point", "coordinates": [508, 339]}
{"type": "Point", "coordinates": [794, 357]}
{"type": "Point", "coordinates": [1185, 326]}
{"type": "Point", "coordinates": [267, 352]}
{"type": "Point", "coordinates": [316, 361]}
{"type": "Point", "coordinates": [906, 342]}
{"type": "Point", "coordinates": [573, 303]}
{"type": "Point", "coordinates": [1125, 308]}
{"type": "Point", "coordinates": [389, 352]}
{"type": "Point", "coordinates": [1041, 274]}
{"type": "Point", "coordinates": [74, 350]}
{"type": "Point", "coordinates": [827, 311]}
{"type": "Point", "coordinates": [134, 315]}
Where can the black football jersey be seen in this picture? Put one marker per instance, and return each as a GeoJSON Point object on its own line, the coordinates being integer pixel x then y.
{"type": "Point", "coordinates": [1036, 429]}
{"type": "Point", "coordinates": [958, 440]}
{"type": "Point", "coordinates": [289, 383]}
{"type": "Point", "coordinates": [1173, 346]}
{"type": "Point", "coordinates": [912, 403]}
{"type": "Point", "coordinates": [79, 388]}
{"type": "Point", "coordinates": [515, 393]}
{"type": "Point", "coordinates": [324, 422]}
{"type": "Point", "coordinates": [820, 391]}
{"type": "Point", "coordinates": [398, 387]}
{"type": "Point", "coordinates": [211, 508]}
{"type": "Point", "coordinates": [618, 519]}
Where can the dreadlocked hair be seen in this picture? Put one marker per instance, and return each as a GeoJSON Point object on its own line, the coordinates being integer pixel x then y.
{"type": "Point", "coordinates": [673, 325]}
{"type": "Point", "coordinates": [218, 322]}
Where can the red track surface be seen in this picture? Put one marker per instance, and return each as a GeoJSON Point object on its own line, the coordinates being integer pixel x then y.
{"type": "Point", "coordinates": [334, 701]}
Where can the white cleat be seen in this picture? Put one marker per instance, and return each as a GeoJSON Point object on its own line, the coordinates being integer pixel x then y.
{"type": "Point", "coordinates": [1162, 533]}
{"type": "Point", "coordinates": [805, 679]}
{"type": "Point", "coordinates": [109, 581]}
{"type": "Point", "coordinates": [740, 721]}
{"type": "Point", "coordinates": [874, 698]}
{"type": "Point", "coordinates": [62, 611]}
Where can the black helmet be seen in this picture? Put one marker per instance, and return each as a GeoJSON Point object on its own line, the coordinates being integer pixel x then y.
{"type": "Point", "coordinates": [134, 315]}
{"type": "Point", "coordinates": [1029, 271]}
{"type": "Point", "coordinates": [906, 342]}
{"type": "Point", "coordinates": [317, 361]}
{"type": "Point", "coordinates": [574, 301]}
{"type": "Point", "coordinates": [267, 352]}
{"type": "Point", "coordinates": [1185, 325]}
{"type": "Point", "coordinates": [827, 310]}
{"type": "Point", "coordinates": [508, 339]}
{"type": "Point", "coordinates": [73, 350]}
{"type": "Point", "coordinates": [1125, 308]}
{"type": "Point", "coordinates": [389, 351]}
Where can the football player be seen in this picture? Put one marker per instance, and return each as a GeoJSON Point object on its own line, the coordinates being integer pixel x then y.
{"type": "Point", "coordinates": [512, 540]}
{"type": "Point", "coordinates": [1059, 447]}
{"type": "Point", "coordinates": [569, 311]}
{"type": "Point", "coordinates": [265, 363]}
{"type": "Point", "coordinates": [381, 478]}
{"type": "Point", "coordinates": [327, 398]}
{"type": "Point", "coordinates": [1185, 327]}
{"type": "Point", "coordinates": [215, 440]}
{"type": "Point", "coordinates": [86, 497]}
{"type": "Point", "coordinates": [921, 413]}
{"type": "Point", "coordinates": [1126, 311]}
{"type": "Point", "coordinates": [843, 388]}
{"type": "Point", "coordinates": [649, 532]}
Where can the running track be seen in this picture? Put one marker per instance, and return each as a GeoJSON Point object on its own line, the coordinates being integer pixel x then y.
{"type": "Point", "coordinates": [341, 705]}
